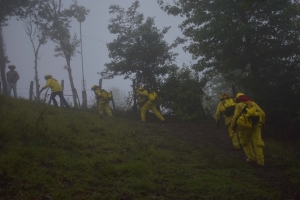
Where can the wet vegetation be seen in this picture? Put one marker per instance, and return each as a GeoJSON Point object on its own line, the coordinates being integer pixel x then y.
{"type": "Point", "coordinates": [56, 153]}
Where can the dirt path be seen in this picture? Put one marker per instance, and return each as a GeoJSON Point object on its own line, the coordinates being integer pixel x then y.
{"type": "Point", "coordinates": [208, 135]}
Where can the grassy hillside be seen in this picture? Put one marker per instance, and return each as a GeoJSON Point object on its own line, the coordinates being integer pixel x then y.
{"type": "Point", "coordinates": [56, 153]}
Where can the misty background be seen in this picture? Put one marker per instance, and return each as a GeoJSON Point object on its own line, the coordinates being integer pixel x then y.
{"type": "Point", "coordinates": [95, 36]}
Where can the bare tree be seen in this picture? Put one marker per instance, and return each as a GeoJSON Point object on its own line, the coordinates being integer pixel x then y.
{"type": "Point", "coordinates": [9, 8]}
{"type": "Point", "coordinates": [38, 37]}
{"type": "Point", "coordinates": [3, 61]}
{"type": "Point", "coordinates": [58, 24]}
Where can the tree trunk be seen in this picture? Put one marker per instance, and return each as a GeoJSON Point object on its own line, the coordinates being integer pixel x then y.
{"type": "Point", "coordinates": [31, 91]}
{"type": "Point", "coordinates": [2, 62]}
{"type": "Point", "coordinates": [248, 45]}
{"type": "Point", "coordinates": [36, 78]}
{"type": "Point", "coordinates": [202, 111]}
{"type": "Point", "coordinates": [255, 70]}
{"type": "Point", "coordinates": [62, 83]}
{"type": "Point", "coordinates": [134, 107]}
{"type": "Point", "coordinates": [74, 92]}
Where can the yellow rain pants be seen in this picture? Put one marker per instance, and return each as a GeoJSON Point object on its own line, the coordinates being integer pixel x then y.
{"type": "Point", "coordinates": [150, 106]}
{"type": "Point", "coordinates": [104, 106]}
{"type": "Point", "coordinates": [232, 135]}
{"type": "Point", "coordinates": [251, 139]}
{"type": "Point", "coordinates": [234, 138]}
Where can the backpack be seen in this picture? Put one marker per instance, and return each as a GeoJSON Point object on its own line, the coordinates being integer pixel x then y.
{"type": "Point", "coordinates": [106, 95]}
{"type": "Point", "coordinates": [229, 105]}
{"type": "Point", "coordinates": [152, 96]}
{"type": "Point", "coordinates": [250, 116]}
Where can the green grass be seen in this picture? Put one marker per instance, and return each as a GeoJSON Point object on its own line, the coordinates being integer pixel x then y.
{"type": "Point", "coordinates": [55, 153]}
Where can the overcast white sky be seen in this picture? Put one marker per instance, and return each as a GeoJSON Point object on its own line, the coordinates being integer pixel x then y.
{"type": "Point", "coordinates": [95, 35]}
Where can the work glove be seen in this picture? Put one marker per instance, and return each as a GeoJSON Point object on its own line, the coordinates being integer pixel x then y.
{"type": "Point", "coordinates": [218, 124]}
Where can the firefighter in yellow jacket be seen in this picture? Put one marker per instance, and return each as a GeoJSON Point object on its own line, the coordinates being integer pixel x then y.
{"type": "Point", "coordinates": [56, 89]}
{"type": "Point", "coordinates": [149, 102]}
{"type": "Point", "coordinates": [226, 108]}
{"type": "Point", "coordinates": [249, 128]}
{"type": "Point", "coordinates": [103, 98]}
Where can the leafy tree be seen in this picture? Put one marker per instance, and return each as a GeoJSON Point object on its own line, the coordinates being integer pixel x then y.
{"type": "Point", "coordinates": [14, 8]}
{"type": "Point", "coordinates": [213, 89]}
{"type": "Point", "coordinates": [57, 26]}
{"type": "Point", "coordinates": [38, 37]}
{"type": "Point", "coordinates": [10, 8]}
{"type": "Point", "coordinates": [139, 49]}
{"type": "Point", "coordinates": [254, 43]}
{"type": "Point", "coordinates": [183, 94]}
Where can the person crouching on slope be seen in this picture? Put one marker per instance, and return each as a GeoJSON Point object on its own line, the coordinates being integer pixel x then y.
{"type": "Point", "coordinates": [226, 108]}
{"type": "Point", "coordinates": [103, 98]}
{"type": "Point", "coordinates": [249, 118]}
{"type": "Point", "coordinates": [56, 89]}
{"type": "Point", "coordinates": [149, 101]}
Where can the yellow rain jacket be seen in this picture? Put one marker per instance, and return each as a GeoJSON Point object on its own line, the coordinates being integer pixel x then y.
{"type": "Point", "coordinates": [250, 138]}
{"type": "Point", "coordinates": [144, 95]}
{"type": "Point", "coordinates": [100, 96]}
{"type": "Point", "coordinates": [219, 113]}
{"type": "Point", "coordinates": [54, 85]}
{"type": "Point", "coordinates": [102, 103]}
{"type": "Point", "coordinates": [148, 105]}
{"type": "Point", "coordinates": [238, 111]}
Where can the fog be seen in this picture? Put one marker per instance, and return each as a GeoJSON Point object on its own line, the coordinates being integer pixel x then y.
{"type": "Point", "coordinates": [95, 36]}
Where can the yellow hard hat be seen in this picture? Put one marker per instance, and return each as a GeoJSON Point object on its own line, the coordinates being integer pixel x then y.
{"type": "Point", "coordinates": [224, 96]}
{"type": "Point", "coordinates": [141, 88]}
{"type": "Point", "coordinates": [48, 76]}
{"type": "Point", "coordinates": [238, 95]}
{"type": "Point", "coordinates": [94, 87]}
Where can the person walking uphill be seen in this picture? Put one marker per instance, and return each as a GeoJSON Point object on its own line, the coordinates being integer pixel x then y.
{"type": "Point", "coordinates": [150, 102]}
{"type": "Point", "coordinates": [56, 89]}
{"type": "Point", "coordinates": [226, 108]}
{"type": "Point", "coordinates": [248, 118]}
{"type": "Point", "coordinates": [103, 97]}
{"type": "Point", "coordinates": [12, 77]}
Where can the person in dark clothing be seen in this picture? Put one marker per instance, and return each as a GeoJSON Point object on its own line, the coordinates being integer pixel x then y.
{"type": "Point", "coordinates": [12, 77]}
